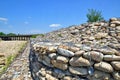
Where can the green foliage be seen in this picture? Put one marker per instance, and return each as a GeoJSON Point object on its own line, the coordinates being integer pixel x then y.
{"type": "Point", "coordinates": [59, 35]}
{"type": "Point", "coordinates": [2, 34]}
{"type": "Point", "coordinates": [42, 35]}
{"type": "Point", "coordinates": [11, 34]}
{"type": "Point", "coordinates": [22, 47]}
{"type": "Point", "coordinates": [10, 59]}
{"type": "Point", "coordinates": [35, 35]}
{"type": "Point", "coordinates": [94, 15]}
{"type": "Point", "coordinates": [8, 62]}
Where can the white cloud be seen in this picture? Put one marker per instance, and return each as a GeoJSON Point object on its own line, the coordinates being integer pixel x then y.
{"type": "Point", "coordinates": [55, 25]}
{"type": "Point", "coordinates": [3, 19]}
{"type": "Point", "coordinates": [26, 22]}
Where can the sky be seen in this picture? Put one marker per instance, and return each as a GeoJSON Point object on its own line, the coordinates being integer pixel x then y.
{"type": "Point", "coordinates": [42, 16]}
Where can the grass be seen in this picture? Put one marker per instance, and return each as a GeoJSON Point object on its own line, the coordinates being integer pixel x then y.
{"type": "Point", "coordinates": [22, 47]}
{"type": "Point", "coordinates": [35, 35]}
{"type": "Point", "coordinates": [11, 49]}
{"type": "Point", "coordinates": [9, 59]}
{"type": "Point", "coordinates": [59, 35]}
{"type": "Point", "coordinates": [42, 35]}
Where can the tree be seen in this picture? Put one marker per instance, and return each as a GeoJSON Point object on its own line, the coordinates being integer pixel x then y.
{"type": "Point", "coordinates": [11, 34]}
{"type": "Point", "coordinates": [94, 15]}
{"type": "Point", "coordinates": [2, 34]}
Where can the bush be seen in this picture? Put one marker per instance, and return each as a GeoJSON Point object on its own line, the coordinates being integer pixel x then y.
{"type": "Point", "coordinates": [11, 34]}
{"type": "Point", "coordinates": [35, 35]}
{"type": "Point", "coordinates": [42, 35]}
{"type": "Point", "coordinates": [94, 15]}
{"type": "Point", "coordinates": [2, 34]}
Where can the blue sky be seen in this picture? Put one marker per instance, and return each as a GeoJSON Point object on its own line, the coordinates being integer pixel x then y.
{"type": "Point", "coordinates": [41, 16]}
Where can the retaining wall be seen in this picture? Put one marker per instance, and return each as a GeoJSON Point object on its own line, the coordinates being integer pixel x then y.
{"type": "Point", "coordinates": [66, 61]}
{"type": "Point", "coordinates": [93, 55]}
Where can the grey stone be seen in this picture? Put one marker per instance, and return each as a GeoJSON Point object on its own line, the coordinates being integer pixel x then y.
{"type": "Point", "coordinates": [64, 52]}
{"type": "Point", "coordinates": [85, 48]}
{"type": "Point", "coordinates": [79, 53]}
{"type": "Point", "coordinates": [97, 24]}
{"type": "Point", "coordinates": [112, 25]}
{"type": "Point", "coordinates": [113, 19]}
{"type": "Point", "coordinates": [91, 38]}
{"type": "Point", "coordinates": [101, 35]}
{"type": "Point", "coordinates": [116, 75]}
{"type": "Point", "coordinates": [116, 22]}
{"type": "Point", "coordinates": [104, 66]}
{"type": "Point", "coordinates": [58, 73]}
{"type": "Point", "coordinates": [100, 75]}
{"type": "Point", "coordinates": [74, 49]}
{"type": "Point", "coordinates": [116, 46]}
{"type": "Point", "coordinates": [96, 56]}
{"type": "Point", "coordinates": [78, 71]}
{"type": "Point", "coordinates": [59, 65]}
{"type": "Point", "coordinates": [116, 65]}
{"type": "Point", "coordinates": [111, 58]}
{"type": "Point", "coordinates": [74, 32]}
{"type": "Point", "coordinates": [79, 61]}
{"type": "Point", "coordinates": [67, 78]}
{"type": "Point", "coordinates": [47, 64]}
{"type": "Point", "coordinates": [2, 61]}
{"type": "Point", "coordinates": [118, 28]}
{"type": "Point", "coordinates": [46, 59]}
{"type": "Point", "coordinates": [42, 73]}
{"type": "Point", "coordinates": [52, 56]}
{"type": "Point", "coordinates": [62, 59]}
{"type": "Point", "coordinates": [50, 77]}
{"type": "Point", "coordinates": [51, 49]}
{"type": "Point", "coordinates": [2, 55]}
{"type": "Point", "coordinates": [108, 51]}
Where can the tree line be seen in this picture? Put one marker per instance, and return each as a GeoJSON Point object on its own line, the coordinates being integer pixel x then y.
{"type": "Point", "coordinates": [9, 34]}
{"type": "Point", "coordinates": [13, 34]}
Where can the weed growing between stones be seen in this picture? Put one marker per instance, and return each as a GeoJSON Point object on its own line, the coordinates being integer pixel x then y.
{"type": "Point", "coordinates": [59, 35]}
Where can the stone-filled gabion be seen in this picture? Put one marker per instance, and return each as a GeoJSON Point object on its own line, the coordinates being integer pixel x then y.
{"type": "Point", "coordinates": [2, 61]}
{"type": "Point", "coordinates": [96, 55]}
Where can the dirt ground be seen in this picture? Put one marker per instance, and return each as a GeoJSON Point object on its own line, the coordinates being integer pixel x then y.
{"type": "Point", "coordinates": [11, 47]}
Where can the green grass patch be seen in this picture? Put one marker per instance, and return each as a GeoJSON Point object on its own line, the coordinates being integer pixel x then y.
{"type": "Point", "coordinates": [8, 61]}
{"type": "Point", "coordinates": [22, 47]}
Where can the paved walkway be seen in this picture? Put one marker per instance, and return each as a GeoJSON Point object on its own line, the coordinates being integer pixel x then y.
{"type": "Point", "coordinates": [19, 69]}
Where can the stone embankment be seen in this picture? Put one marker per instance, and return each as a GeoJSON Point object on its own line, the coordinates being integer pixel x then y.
{"type": "Point", "coordinates": [87, 52]}
{"type": "Point", "coordinates": [19, 69]}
